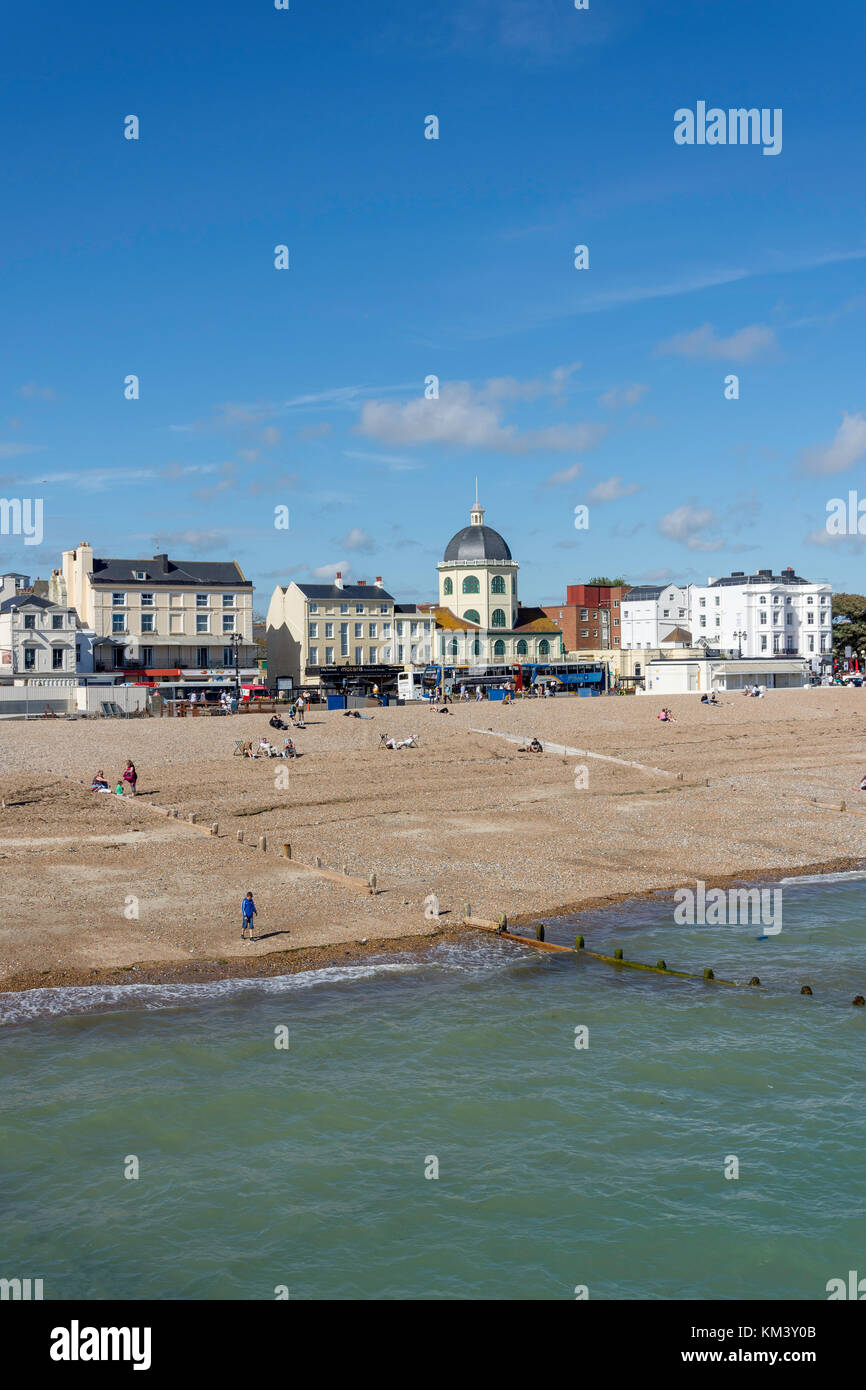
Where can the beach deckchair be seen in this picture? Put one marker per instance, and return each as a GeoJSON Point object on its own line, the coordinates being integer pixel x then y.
{"type": "Point", "coordinates": [105, 706]}
{"type": "Point", "coordinates": [239, 748]}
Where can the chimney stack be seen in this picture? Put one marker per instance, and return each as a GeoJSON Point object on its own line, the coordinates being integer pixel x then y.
{"type": "Point", "coordinates": [378, 581]}
{"type": "Point", "coordinates": [338, 580]}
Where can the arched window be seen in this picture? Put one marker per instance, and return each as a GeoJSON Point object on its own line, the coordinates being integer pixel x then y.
{"type": "Point", "coordinates": [447, 587]}
{"type": "Point", "coordinates": [498, 585]}
{"type": "Point", "coordinates": [522, 649]}
{"type": "Point", "coordinates": [499, 618]}
{"type": "Point", "coordinates": [499, 648]}
{"type": "Point", "coordinates": [471, 616]}
{"type": "Point", "coordinates": [476, 647]}
{"type": "Point", "coordinates": [544, 647]}
{"type": "Point", "coordinates": [471, 585]}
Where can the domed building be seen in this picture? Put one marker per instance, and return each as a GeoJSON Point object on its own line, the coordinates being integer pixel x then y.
{"type": "Point", "coordinates": [479, 618]}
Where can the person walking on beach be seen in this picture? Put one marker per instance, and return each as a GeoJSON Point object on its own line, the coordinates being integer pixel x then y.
{"type": "Point", "coordinates": [130, 776]}
{"type": "Point", "coordinates": [248, 912]}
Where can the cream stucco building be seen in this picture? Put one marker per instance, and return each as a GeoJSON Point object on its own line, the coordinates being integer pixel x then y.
{"type": "Point", "coordinates": [322, 634]}
{"type": "Point", "coordinates": [156, 615]}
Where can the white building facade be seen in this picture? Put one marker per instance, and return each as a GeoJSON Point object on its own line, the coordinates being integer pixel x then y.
{"type": "Point", "coordinates": [765, 615]}
{"type": "Point", "coordinates": [38, 638]}
{"type": "Point", "coordinates": [656, 616]}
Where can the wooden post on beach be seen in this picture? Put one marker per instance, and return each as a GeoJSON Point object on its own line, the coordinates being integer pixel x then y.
{"type": "Point", "coordinates": [287, 851]}
{"type": "Point", "coordinates": [539, 932]}
{"type": "Point", "coordinates": [192, 817]}
{"type": "Point", "coordinates": [372, 883]}
{"type": "Point", "coordinates": [842, 806]}
{"type": "Point", "coordinates": [617, 955]}
{"type": "Point", "coordinates": [467, 910]}
{"type": "Point", "coordinates": [318, 861]}
{"type": "Point", "coordinates": [240, 837]}
{"type": "Point", "coordinates": [346, 870]}
{"type": "Point", "coordinates": [215, 829]}
{"type": "Point", "coordinates": [263, 843]}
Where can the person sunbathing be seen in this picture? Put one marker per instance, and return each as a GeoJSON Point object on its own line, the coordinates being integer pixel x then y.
{"type": "Point", "coordinates": [247, 750]}
{"type": "Point", "coordinates": [289, 749]}
{"type": "Point", "coordinates": [276, 722]}
{"type": "Point", "coordinates": [99, 783]}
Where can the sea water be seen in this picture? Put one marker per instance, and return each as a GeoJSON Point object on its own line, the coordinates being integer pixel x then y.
{"type": "Point", "coordinates": [427, 1128]}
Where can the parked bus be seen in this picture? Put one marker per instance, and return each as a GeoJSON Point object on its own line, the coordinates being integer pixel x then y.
{"type": "Point", "coordinates": [410, 686]}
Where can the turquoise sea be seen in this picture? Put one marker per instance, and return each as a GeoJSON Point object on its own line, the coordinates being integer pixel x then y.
{"type": "Point", "coordinates": [303, 1168]}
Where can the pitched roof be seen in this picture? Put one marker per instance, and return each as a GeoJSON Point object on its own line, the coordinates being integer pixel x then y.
{"type": "Point", "coordinates": [26, 601]}
{"type": "Point", "coordinates": [678, 634]}
{"type": "Point", "coordinates": [450, 621]}
{"type": "Point", "coordinates": [535, 620]}
{"type": "Point", "coordinates": [161, 570]}
{"type": "Point", "coordinates": [348, 591]}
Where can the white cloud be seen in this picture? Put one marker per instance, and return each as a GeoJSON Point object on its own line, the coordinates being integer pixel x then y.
{"type": "Point", "coordinates": [470, 419]}
{"type": "Point", "coordinates": [847, 447]}
{"type": "Point", "coordinates": [743, 346]}
{"type": "Point", "coordinates": [564, 475]}
{"type": "Point", "coordinates": [686, 523]}
{"type": "Point", "coordinates": [622, 396]}
{"type": "Point", "coordinates": [611, 490]}
{"type": "Point", "coordinates": [356, 539]}
{"type": "Point", "coordinates": [327, 573]}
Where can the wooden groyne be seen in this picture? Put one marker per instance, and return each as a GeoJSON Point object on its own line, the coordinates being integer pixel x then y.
{"type": "Point", "coordinates": [500, 928]}
{"type": "Point", "coordinates": [259, 843]}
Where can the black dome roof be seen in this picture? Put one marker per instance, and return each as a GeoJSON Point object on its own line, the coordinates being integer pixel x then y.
{"type": "Point", "coordinates": [476, 543]}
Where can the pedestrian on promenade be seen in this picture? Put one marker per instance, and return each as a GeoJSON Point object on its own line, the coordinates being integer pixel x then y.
{"type": "Point", "coordinates": [248, 912]}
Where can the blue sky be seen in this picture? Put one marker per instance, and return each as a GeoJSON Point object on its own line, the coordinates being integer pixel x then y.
{"type": "Point", "coordinates": [452, 257]}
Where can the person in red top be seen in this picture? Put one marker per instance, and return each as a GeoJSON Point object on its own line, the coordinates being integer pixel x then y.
{"type": "Point", "coordinates": [130, 776]}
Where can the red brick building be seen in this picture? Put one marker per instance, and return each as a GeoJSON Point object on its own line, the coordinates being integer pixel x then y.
{"type": "Point", "coordinates": [590, 617]}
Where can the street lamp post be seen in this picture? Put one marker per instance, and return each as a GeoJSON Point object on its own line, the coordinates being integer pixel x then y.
{"type": "Point", "coordinates": [740, 636]}
{"type": "Point", "coordinates": [236, 643]}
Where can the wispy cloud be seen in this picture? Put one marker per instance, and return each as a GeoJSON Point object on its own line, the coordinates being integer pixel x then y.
{"type": "Point", "coordinates": [745, 345]}
{"type": "Point", "coordinates": [562, 476]}
{"type": "Point", "coordinates": [394, 463]}
{"type": "Point", "coordinates": [611, 490]}
{"type": "Point", "coordinates": [199, 541]}
{"type": "Point", "coordinates": [467, 417]}
{"type": "Point", "coordinates": [620, 397]}
{"type": "Point", "coordinates": [32, 391]}
{"type": "Point", "coordinates": [11, 450]}
{"type": "Point", "coordinates": [688, 525]}
{"type": "Point", "coordinates": [847, 447]}
{"type": "Point", "coordinates": [327, 573]}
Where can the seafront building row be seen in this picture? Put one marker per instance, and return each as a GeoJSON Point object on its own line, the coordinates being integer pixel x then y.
{"type": "Point", "coordinates": [189, 624]}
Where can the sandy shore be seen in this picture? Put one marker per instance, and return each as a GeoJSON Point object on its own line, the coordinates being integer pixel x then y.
{"type": "Point", "coordinates": [101, 889]}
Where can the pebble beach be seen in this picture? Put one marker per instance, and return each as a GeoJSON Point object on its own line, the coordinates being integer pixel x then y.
{"type": "Point", "coordinates": [100, 888]}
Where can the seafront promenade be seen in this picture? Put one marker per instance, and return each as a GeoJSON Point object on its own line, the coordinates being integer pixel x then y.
{"type": "Point", "coordinates": [96, 887]}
